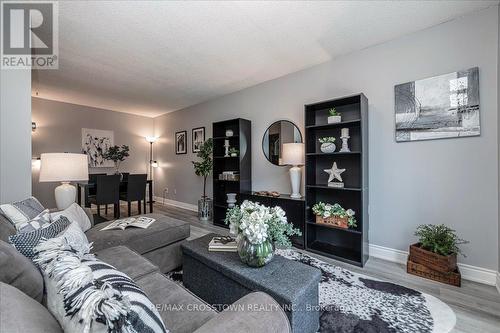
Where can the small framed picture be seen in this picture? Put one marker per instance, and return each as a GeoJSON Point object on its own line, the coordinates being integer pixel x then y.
{"type": "Point", "coordinates": [197, 138]}
{"type": "Point", "coordinates": [181, 142]}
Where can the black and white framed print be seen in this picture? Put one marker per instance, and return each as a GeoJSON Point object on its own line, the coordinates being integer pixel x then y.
{"type": "Point", "coordinates": [95, 143]}
{"type": "Point", "coordinates": [181, 142]}
{"type": "Point", "coordinates": [444, 106]}
{"type": "Point", "coordinates": [197, 138]}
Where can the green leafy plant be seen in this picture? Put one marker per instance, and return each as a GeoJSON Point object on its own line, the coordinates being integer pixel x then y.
{"type": "Point", "coordinates": [233, 150]}
{"type": "Point", "coordinates": [439, 239]}
{"type": "Point", "coordinates": [327, 139]}
{"type": "Point", "coordinates": [327, 210]}
{"type": "Point", "coordinates": [204, 167]}
{"type": "Point", "coordinates": [333, 112]}
{"type": "Point", "coordinates": [117, 154]}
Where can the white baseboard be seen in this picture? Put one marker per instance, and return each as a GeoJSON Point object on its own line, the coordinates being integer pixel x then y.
{"type": "Point", "coordinates": [175, 203]}
{"type": "Point", "coordinates": [388, 254]}
{"type": "Point", "coordinates": [469, 272]}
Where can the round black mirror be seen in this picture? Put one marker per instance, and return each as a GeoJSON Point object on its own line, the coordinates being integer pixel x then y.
{"type": "Point", "coordinates": [280, 132]}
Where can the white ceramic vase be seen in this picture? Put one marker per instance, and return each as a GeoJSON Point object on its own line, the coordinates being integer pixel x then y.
{"type": "Point", "coordinates": [334, 119]}
{"type": "Point", "coordinates": [328, 147]}
{"type": "Point", "coordinates": [231, 199]}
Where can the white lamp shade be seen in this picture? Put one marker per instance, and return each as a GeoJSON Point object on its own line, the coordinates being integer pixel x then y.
{"type": "Point", "coordinates": [293, 153]}
{"type": "Point", "coordinates": [151, 139]}
{"type": "Point", "coordinates": [63, 167]}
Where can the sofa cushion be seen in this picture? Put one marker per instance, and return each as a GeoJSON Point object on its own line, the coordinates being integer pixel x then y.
{"type": "Point", "coordinates": [127, 261]}
{"type": "Point", "coordinates": [22, 314]}
{"type": "Point", "coordinates": [181, 311]}
{"type": "Point", "coordinates": [20, 272]}
{"type": "Point", "coordinates": [164, 231]}
{"type": "Point", "coordinates": [7, 229]}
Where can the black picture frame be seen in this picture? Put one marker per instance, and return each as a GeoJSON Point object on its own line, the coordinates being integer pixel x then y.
{"type": "Point", "coordinates": [180, 147]}
{"type": "Point", "coordinates": [196, 140]}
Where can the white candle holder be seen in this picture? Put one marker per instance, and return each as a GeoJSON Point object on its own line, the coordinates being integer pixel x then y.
{"type": "Point", "coordinates": [226, 148]}
{"type": "Point", "coordinates": [345, 147]}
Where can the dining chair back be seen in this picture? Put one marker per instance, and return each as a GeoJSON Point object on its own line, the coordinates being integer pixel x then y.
{"type": "Point", "coordinates": [136, 187]}
{"type": "Point", "coordinates": [135, 191]}
{"type": "Point", "coordinates": [108, 189]}
{"type": "Point", "coordinates": [93, 179]}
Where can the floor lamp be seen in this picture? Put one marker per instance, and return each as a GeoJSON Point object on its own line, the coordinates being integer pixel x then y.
{"type": "Point", "coordinates": [152, 163]}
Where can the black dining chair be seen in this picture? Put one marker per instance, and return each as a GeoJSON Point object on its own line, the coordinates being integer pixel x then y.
{"type": "Point", "coordinates": [107, 192]}
{"type": "Point", "coordinates": [135, 191]}
{"type": "Point", "coordinates": [93, 179]}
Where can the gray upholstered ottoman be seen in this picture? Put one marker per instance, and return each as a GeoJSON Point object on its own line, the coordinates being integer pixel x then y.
{"type": "Point", "coordinates": [220, 278]}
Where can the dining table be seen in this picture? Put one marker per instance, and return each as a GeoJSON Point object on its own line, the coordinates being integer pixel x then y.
{"type": "Point", "coordinates": [85, 186]}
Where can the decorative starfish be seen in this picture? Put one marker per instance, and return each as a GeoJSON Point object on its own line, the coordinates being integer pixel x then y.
{"type": "Point", "coordinates": [334, 172]}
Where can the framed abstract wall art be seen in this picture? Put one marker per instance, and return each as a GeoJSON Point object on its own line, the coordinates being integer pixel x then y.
{"type": "Point", "coordinates": [444, 106]}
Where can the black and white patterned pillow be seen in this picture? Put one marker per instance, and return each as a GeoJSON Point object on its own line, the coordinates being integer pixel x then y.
{"type": "Point", "coordinates": [86, 294]}
{"type": "Point", "coordinates": [25, 242]}
{"type": "Point", "coordinates": [21, 211]}
{"type": "Point", "coordinates": [40, 221]}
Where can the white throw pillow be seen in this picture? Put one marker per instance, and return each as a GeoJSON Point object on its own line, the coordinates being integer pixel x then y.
{"type": "Point", "coordinates": [74, 213]}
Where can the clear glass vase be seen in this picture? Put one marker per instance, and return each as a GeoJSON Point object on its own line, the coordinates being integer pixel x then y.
{"type": "Point", "coordinates": [255, 255]}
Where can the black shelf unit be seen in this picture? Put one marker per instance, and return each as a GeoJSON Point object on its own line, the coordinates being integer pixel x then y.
{"type": "Point", "coordinates": [242, 164]}
{"type": "Point", "coordinates": [348, 245]}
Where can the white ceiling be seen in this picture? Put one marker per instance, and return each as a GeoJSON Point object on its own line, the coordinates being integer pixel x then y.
{"type": "Point", "coordinates": [154, 57]}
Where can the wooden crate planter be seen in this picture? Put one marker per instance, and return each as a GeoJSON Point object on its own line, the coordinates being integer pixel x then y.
{"type": "Point", "coordinates": [432, 260]}
{"type": "Point", "coordinates": [339, 222]}
{"type": "Point", "coordinates": [453, 278]}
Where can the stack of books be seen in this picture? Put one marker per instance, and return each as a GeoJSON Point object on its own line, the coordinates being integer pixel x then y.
{"type": "Point", "coordinates": [223, 244]}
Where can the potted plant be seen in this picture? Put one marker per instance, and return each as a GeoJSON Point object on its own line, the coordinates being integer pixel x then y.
{"type": "Point", "coordinates": [203, 168]}
{"type": "Point", "coordinates": [117, 154]}
{"type": "Point", "coordinates": [258, 230]}
{"type": "Point", "coordinates": [437, 247]}
{"type": "Point", "coordinates": [334, 215]}
{"type": "Point", "coordinates": [334, 117]}
{"type": "Point", "coordinates": [233, 152]}
{"type": "Point", "coordinates": [327, 144]}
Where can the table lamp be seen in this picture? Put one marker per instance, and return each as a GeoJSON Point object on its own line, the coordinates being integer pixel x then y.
{"type": "Point", "coordinates": [64, 168]}
{"type": "Point", "coordinates": [293, 154]}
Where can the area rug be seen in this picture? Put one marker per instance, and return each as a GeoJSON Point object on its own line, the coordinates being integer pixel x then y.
{"type": "Point", "coordinates": [353, 302]}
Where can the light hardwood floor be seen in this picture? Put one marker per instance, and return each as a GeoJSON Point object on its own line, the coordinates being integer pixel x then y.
{"type": "Point", "coordinates": [476, 306]}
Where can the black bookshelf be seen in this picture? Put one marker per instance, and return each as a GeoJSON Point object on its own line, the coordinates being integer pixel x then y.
{"type": "Point", "coordinates": [348, 245]}
{"type": "Point", "coordinates": [242, 164]}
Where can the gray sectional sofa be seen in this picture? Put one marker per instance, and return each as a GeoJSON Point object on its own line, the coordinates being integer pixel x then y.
{"type": "Point", "coordinates": [143, 255]}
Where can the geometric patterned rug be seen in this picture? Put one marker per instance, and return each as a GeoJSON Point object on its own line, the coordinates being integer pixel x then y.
{"type": "Point", "coordinates": [353, 302]}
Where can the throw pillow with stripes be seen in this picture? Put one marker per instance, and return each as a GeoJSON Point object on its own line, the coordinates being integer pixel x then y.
{"type": "Point", "coordinates": [86, 294]}
{"type": "Point", "coordinates": [21, 211]}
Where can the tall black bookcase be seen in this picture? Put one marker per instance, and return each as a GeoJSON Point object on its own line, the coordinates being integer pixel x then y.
{"type": "Point", "coordinates": [241, 164]}
{"type": "Point", "coordinates": [348, 245]}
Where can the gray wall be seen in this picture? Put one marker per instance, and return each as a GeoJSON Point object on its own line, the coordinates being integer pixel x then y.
{"type": "Point", "coordinates": [59, 129]}
{"type": "Point", "coordinates": [15, 134]}
{"type": "Point", "coordinates": [452, 181]}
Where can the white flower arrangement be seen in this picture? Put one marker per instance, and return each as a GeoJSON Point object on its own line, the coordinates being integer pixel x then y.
{"type": "Point", "coordinates": [259, 223]}
{"type": "Point", "coordinates": [328, 210]}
